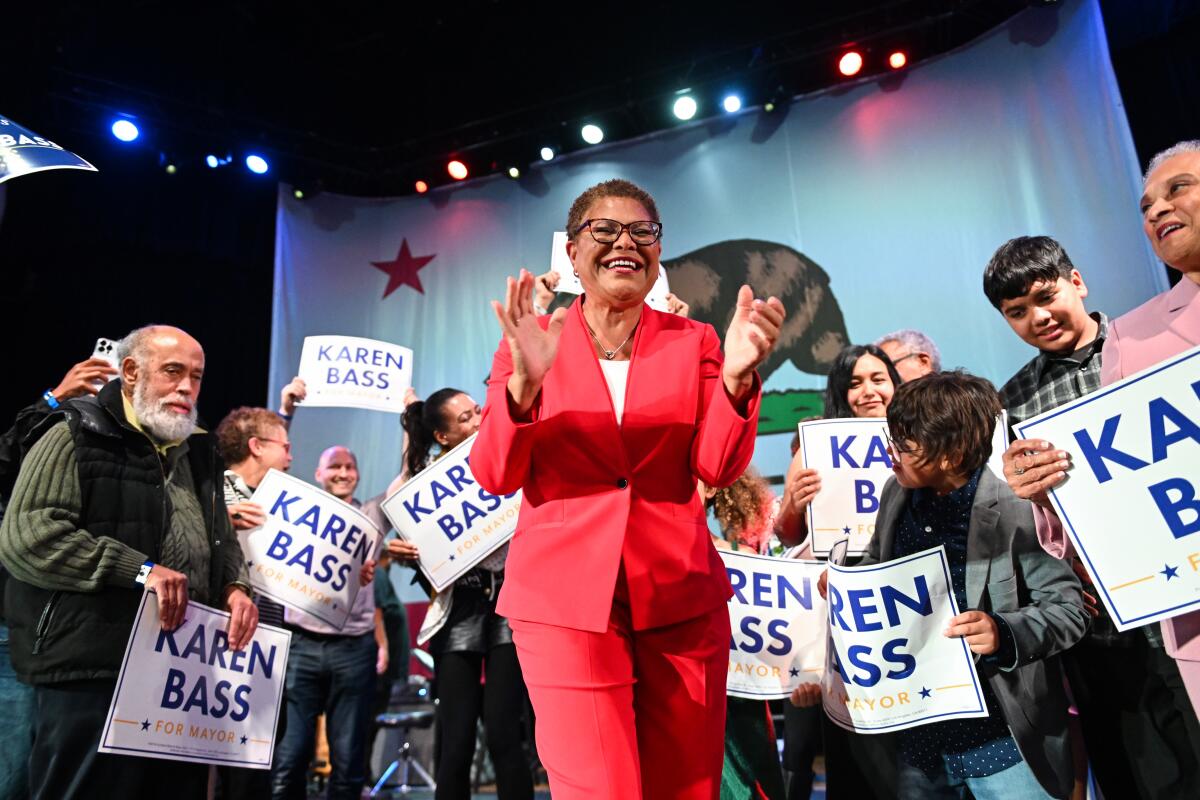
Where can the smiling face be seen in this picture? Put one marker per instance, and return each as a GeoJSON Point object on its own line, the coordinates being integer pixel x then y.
{"type": "Point", "coordinates": [620, 274]}
{"type": "Point", "coordinates": [461, 416]}
{"type": "Point", "coordinates": [871, 388]}
{"type": "Point", "coordinates": [1171, 212]}
{"type": "Point", "coordinates": [1051, 316]}
{"type": "Point", "coordinates": [337, 472]}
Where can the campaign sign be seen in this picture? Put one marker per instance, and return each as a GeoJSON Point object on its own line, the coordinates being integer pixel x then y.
{"type": "Point", "coordinates": [568, 281]}
{"type": "Point", "coordinates": [851, 457]}
{"type": "Point", "coordinates": [310, 552]}
{"type": "Point", "coordinates": [778, 622]}
{"type": "Point", "coordinates": [1000, 443]}
{"type": "Point", "coordinates": [22, 151]}
{"type": "Point", "coordinates": [186, 696]}
{"type": "Point", "coordinates": [454, 521]}
{"type": "Point", "coordinates": [1131, 501]}
{"type": "Point", "coordinates": [889, 666]}
{"type": "Point", "coordinates": [350, 371]}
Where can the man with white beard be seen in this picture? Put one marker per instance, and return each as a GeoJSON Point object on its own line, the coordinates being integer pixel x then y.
{"type": "Point", "coordinates": [121, 491]}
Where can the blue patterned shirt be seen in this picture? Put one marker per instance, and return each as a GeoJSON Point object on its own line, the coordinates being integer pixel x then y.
{"type": "Point", "coordinates": [962, 748]}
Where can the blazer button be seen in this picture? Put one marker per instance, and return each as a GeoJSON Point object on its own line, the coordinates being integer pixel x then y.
{"type": "Point", "coordinates": [622, 483]}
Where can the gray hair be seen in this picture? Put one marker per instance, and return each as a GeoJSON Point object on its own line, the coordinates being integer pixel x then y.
{"type": "Point", "coordinates": [1179, 148]}
{"type": "Point", "coordinates": [135, 343]}
{"type": "Point", "coordinates": [917, 342]}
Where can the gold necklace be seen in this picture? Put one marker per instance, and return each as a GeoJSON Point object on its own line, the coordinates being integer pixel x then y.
{"type": "Point", "coordinates": [609, 355]}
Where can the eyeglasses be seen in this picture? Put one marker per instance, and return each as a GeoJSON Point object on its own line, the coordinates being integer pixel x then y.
{"type": "Point", "coordinates": [287, 446]}
{"type": "Point", "coordinates": [607, 231]}
{"type": "Point", "coordinates": [896, 361]}
{"type": "Point", "coordinates": [898, 452]}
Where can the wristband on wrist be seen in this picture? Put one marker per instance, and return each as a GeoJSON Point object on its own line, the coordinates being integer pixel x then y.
{"type": "Point", "coordinates": [50, 399]}
{"type": "Point", "coordinates": [144, 572]}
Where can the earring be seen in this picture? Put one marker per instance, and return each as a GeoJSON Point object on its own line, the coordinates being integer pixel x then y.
{"type": "Point", "coordinates": [576, 272]}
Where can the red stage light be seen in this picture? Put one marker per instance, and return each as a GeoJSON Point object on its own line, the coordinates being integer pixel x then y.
{"type": "Point", "coordinates": [422, 187]}
{"type": "Point", "coordinates": [457, 170]}
{"type": "Point", "coordinates": [850, 64]}
{"type": "Point", "coordinates": [897, 59]}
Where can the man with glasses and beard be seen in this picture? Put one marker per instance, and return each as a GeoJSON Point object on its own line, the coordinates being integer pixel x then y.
{"type": "Point", "coordinates": [120, 492]}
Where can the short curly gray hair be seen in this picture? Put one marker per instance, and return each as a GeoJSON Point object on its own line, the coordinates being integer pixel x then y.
{"type": "Point", "coordinates": [917, 342]}
{"type": "Point", "coordinates": [1179, 148]}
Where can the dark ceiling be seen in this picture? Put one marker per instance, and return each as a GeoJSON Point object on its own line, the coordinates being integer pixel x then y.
{"type": "Point", "coordinates": [365, 98]}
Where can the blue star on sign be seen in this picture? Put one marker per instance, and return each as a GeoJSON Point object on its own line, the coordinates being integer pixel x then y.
{"type": "Point", "coordinates": [793, 672]}
{"type": "Point", "coordinates": [846, 530]}
{"type": "Point", "coordinates": [451, 558]}
{"type": "Point", "coordinates": [243, 740]}
{"type": "Point", "coordinates": [925, 692]}
{"type": "Point", "coordinates": [1169, 571]}
{"type": "Point", "coordinates": [145, 724]}
{"type": "Point", "coordinates": [249, 564]}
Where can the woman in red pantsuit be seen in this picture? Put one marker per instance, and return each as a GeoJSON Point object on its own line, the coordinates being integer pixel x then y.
{"type": "Point", "coordinates": [605, 414]}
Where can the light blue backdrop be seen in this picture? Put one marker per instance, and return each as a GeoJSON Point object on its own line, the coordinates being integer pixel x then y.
{"type": "Point", "coordinates": [900, 188]}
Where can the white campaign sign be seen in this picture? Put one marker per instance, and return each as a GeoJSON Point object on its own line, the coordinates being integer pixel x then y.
{"type": "Point", "coordinates": [779, 625]}
{"type": "Point", "coordinates": [1131, 501]}
{"type": "Point", "coordinates": [186, 696]}
{"type": "Point", "coordinates": [310, 552]}
{"type": "Point", "coordinates": [353, 372]}
{"type": "Point", "coordinates": [889, 667]}
{"type": "Point", "coordinates": [454, 521]}
{"type": "Point", "coordinates": [569, 283]}
{"type": "Point", "coordinates": [851, 457]}
{"type": "Point", "coordinates": [999, 444]}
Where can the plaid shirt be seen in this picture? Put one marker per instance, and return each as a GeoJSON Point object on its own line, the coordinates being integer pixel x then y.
{"type": "Point", "coordinates": [1045, 383]}
{"type": "Point", "coordinates": [1050, 380]}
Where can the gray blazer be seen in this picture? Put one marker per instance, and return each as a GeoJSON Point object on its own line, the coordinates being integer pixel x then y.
{"type": "Point", "coordinates": [1010, 576]}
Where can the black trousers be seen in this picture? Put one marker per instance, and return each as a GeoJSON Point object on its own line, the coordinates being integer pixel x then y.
{"type": "Point", "coordinates": [64, 763]}
{"type": "Point", "coordinates": [858, 766]}
{"type": "Point", "coordinates": [1142, 737]}
{"type": "Point", "coordinates": [461, 699]}
{"type": "Point", "coordinates": [801, 743]}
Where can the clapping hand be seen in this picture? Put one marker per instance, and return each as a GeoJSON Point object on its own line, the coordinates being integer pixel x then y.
{"type": "Point", "coordinates": [532, 348]}
{"type": "Point", "coordinates": [751, 337]}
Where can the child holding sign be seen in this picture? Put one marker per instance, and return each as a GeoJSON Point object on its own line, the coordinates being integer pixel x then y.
{"type": "Point", "coordinates": [1024, 607]}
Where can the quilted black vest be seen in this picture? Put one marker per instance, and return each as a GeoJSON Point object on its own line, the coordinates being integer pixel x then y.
{"type": "Point", "coordinates": [63, 635]}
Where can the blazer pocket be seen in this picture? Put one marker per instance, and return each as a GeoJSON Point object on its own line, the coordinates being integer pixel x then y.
{"type": "Point", "coordinates": [1003, 594]}
{"type": "Point", "coordinates": [551, 512]}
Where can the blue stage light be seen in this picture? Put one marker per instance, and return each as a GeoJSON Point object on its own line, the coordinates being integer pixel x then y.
{"type": "Point", "coordinates": [257, 164]}
{"type": "Point", "coordinates": [685, 107]}
{"type": "Point", "coordinates": [212, 161]}
{"type": "Point", "coordinates": [125, 130]}
{"type": "Point", "coordinates": [732, 103]}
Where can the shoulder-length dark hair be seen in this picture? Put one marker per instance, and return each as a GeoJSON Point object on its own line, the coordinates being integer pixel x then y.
{"type": "Point", "coordinates": [838, 385]}
{"type": "Point", "coordinates": [421, 420]}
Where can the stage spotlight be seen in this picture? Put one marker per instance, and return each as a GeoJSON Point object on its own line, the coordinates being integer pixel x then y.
{"type": "Point", "coordinates": [514, 173]}
{"type": "Point", "coordinates": [850, 63]}
{"type": "Point", "coordinates": [897, 60]}
{"type": "Point", "coordinates": [592, 134]}
{"type": "Point", "coordinates": [457, 170]}
{"type": "Point", "coordinates": [125, 130]}
{"type": "Point", "coordinates": [685, 107]}
{"type": "Point", "coordinates": [547, 154]}
{"type": "Point", "coordinates": [257, 164]}
{"type": "Point", "coordinates": [171, 169]}
{"type": "Point", "coordinates": [732, 103]}
{"type": "Point", "coordinates": [212, 161]}
{"type": "Point", "coordinates": [298, 194]}
{"type": "Point", "coordinates": [422, 187]}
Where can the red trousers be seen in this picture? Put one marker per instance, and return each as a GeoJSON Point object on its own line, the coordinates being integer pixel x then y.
{"type": "Point", "coordinates": [625, 714]}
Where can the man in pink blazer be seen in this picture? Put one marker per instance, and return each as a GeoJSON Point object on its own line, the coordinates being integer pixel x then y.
{"type": "Point", "coordinates": [606, 414]}
{"type": "Point", "coordinates": [1163, 326]}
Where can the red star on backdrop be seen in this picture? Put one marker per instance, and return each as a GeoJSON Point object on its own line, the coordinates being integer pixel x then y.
{"type": "Point", "coordinates": [402, 271]}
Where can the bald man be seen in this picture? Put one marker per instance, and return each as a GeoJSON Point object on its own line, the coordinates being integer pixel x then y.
{"type": "Point", "coordinates": [122, 491]}
{"type": "Point", "coordinates": [332, 671]}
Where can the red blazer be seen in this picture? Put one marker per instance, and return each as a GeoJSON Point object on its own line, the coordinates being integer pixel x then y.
{"type": "Point", "coordinates": [597, 495]}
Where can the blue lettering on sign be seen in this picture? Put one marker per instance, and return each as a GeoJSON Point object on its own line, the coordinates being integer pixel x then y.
{"type": "Point", "coordinates": [869, 673]}
{"type": "Point", "coordinates": [361, 355]}
{"type": "Point", "coordinates": [865, 501]}
{"type": "Point", "coordinates": [767, 596]}
{"type": "Point", "coordinates": [1160, 412]}
{"type": "Point", "coordinates": [876, 453]}
{"type": "Point", "coordinates": [890, 597]}
{"type": "Point", "coordinates": [1173, 509]}
{"type": "Point", "coordinates": [752, 640]}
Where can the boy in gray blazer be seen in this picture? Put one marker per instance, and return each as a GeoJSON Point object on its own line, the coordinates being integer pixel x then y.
{"type": "Point", "coordinates": [1022, 607]}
